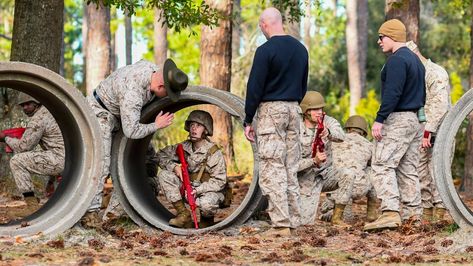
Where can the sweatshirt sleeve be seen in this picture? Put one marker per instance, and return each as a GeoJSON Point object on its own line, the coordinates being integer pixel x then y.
{"type": "Point", "coordinates": [256, 83]}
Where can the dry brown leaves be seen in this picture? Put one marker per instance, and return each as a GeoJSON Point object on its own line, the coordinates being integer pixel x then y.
{"type": "Point", "coordinates": [96, 244]}
{"type": "Point", "coordinates": [86, 261]}
{"type": "Point", "coordinates": [272, 257]}
{"type": "Point", "coordinates": [446, 243]}
{"type": "Point", "coordinates": [56, 243]}
{"type": "Point", "coordinates": [253, 240]}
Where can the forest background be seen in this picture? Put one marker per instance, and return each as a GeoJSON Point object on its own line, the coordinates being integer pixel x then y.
{"type": "Point", "coordinates": [345, 60]}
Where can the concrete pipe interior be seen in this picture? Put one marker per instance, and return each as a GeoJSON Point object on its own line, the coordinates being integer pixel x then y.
{"type": "Point", "coordinates": [443, 156]}
{"type": "Point", "coordinates": [128, 168]}
{"type": "Point", "coordinates": [82, 139]}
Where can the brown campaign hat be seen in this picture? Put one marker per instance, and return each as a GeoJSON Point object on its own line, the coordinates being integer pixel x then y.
{"type": "Point", "coordinates": [175, 80]}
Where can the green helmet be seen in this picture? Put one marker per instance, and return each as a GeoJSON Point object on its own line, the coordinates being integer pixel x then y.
{"type": "Point", "coordinates": [201, 117]}
{"type": "Point", "coordinates": [357, 121]}
{"type": "Point", "coordinates": [24, 98]}
{"type": "Point", "coordinates": [312, 100]}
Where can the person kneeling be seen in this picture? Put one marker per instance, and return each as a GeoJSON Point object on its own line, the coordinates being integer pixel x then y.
{"type": "Point", "coordinates": [206, 167]}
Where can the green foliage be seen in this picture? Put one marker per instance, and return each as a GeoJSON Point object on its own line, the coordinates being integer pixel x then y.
{"type": "Point", "coordinates": [6, 28]}
{"type": "Point", "coordinates": [177, 14]}
{"type": "Point", "coordinates": [451, 228]}
{"type": "Point", "coordinates": [73, 42]}
{"type": "Point", "coordinates": [337, 107]}
{"type": "Point", "coordinates": [292, 8]}
{"type": "Point", "coordinates": [368, 107]}
{"type": "Point", "coordinates": [456, 87]}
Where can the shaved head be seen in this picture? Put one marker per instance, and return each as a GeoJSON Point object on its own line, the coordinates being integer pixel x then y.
{"type": "Point", "coordinates": [270, 22]}
{"type": "Point", "coordinates": [271, 16]}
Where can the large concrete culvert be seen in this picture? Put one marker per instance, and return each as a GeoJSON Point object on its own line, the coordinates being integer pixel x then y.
{"type": "Point", "coordinates": [442, 161]}
{"type": "Point", "coordinates": [128, 169]}
{"type": "Point", "coordinates": [82, 139]}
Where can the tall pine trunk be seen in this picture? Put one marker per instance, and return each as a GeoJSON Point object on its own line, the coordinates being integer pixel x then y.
{"type": "Point", "coordinates": [356, 39]}
{"type": "Point", "coordinates": [215, 71]}
{"type": "Point", "coordinates": [160, 38]}
{"type": "Point", "coordinates": [408, 12]}
{"type": "Point", "coordinates": [98, 49]}
{"type": "Point", "coordinates": [128, 38]}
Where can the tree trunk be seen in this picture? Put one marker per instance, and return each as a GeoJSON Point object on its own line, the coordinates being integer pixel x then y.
{"type": "Point", "coordinates": [37, 38]}
{"type": "Point", "coordinates": [408, 12]}
{"type": "Point", "coordinates": [307, 24]}
{"type": "Point", "coordinates": [160, 38]}
{"type": "Point", "coordinates": [215, 71]}
{"type": "Point", "coordinates": [37, 33]}
{"type": "Point", "coordinates": [98, 46]}
{"type": "Point", "coordinates": [356, 40]}
{"type": "Point", "coordinates": [236, 28]}
{"type": "Point", "coordinates": [128, 39]}
{"type": "Point", "coordinates": [85, 20]}
{"type": "Point", "coordinates": [467, 182]}
{"type": "Point", "coordinates": [293, 28]}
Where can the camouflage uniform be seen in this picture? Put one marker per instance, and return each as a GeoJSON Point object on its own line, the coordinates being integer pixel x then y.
{"type": "Point", "coordinates": [436, 105]}
{"type": "Point", "coordinates": [42, 129]}
{"type": "Point", "coordinates": [277, 135]}
{"type": "Point", "coordinates": [209, 193]}
{"type": "Point", "coordinates": [124, 93]}
{"type": "Point", "coordinates": [313, 180]}
{"type": "Point", "coordinates": [353, 157]}
{"type": "Point", "coordinates": [394, 164]}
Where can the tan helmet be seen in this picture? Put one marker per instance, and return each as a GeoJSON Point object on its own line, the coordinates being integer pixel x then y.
{"type": "Point", "coordinates": [24, 98]}
{"type": "Point", "coordinates": [312, 100]}
{"type": "Point", "coordinates": [201, 117]}
{"type": "Point", "coordinates": [356, 121]}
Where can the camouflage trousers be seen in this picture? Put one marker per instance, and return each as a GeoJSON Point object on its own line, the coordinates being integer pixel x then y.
{"type": "Point", "coordinates": [279, 151]}
{"type": "Point", "coordinates": [361, 187]}
{"type": "Point", "coordinates": [208, 202]}
{"type": "Point", "coordinates": [394, 164]}
{"type": "Point", "coordinates": [108, 124]}
{"type": "Point", "coordinates": [312, 184]}
{"type": "Point", "coordinates": [24, 164]}
{"type": "Point", "coordinates": [428, 187]}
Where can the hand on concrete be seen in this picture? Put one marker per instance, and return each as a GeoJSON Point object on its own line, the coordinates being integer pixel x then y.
{"type": "Point", "coordinates": [163, 120]}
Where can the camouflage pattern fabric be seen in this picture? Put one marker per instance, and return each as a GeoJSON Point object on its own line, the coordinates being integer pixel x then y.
{"type": "Point", "coordinates": [209, 193]}
{"type": "Point", "coordinates": [124, 93]}
{"type": "Point", "coordinates": [352, 157]}
{"type": "Point", "coordinates": [438, 100]}
{"type": "Point", "coordinates": [394, 164]}
{"type": "Point", "coordinates": [42, 129]}
{"type": "Point", "coordinates": [437, 104]}
{"type": "Point", "coordinates": [277, 135]}
{"type": "Point", "coordinates": [313, 180]}
{"type": "Point", "coordinates": [428, 188]}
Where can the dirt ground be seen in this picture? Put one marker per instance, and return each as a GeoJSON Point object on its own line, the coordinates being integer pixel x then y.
{"type": "Point", "coordinates": [322, 244]}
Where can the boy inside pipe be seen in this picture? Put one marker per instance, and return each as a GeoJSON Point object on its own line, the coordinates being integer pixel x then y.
{"type": "Point", "coordinates": [207, 172]}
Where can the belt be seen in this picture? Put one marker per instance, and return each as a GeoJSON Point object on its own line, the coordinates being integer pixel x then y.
{"type": "Point", "coordinates": [408, 110]}
{"type": "Point", "coordinates": [99, 101]}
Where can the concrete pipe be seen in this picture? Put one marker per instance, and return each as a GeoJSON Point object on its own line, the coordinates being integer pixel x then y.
{"type": "Point", "coordinates": [83, 143]}
{"type": "Point", "coordinates": [128, 168]}
{"type": "Point", "coordinates": [442, 161]}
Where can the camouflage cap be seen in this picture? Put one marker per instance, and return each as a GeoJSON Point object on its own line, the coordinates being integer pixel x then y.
{"type": "Point", "coordinates": [24, 98]}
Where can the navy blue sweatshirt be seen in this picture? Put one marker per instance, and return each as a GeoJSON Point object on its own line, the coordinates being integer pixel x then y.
{"type": "Point", "coordinates": [279, 73]}
{"type": "Point", "coordinates": [402, 84]}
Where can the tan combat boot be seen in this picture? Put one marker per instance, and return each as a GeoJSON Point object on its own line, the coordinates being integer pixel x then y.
{"type": "Point", "coordinates": [337, 217]}
{"type": "Point", "coordinates": [206, 221]}
{"type": "Point", "coordinates": [427, 214]}
{"type": "Point", "coordinates": [438, 214]}
{"type": "Point", "coordinates": [371, 210]}
{"type": "Point", "coordinates": [32, 205]}
{"type": "Point", "coordinates": [389, 219]}
{"type": "Point", "coordinates": [183, 218]}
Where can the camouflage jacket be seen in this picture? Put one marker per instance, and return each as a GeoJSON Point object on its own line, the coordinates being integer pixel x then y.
{"type": "Point", "coordinates": [215, 164]}
{"type": "Point", "coordinates": [42, 129]}
{"type": "Point", "coordinates": [353, 154]}
{"type": "Point", "coordinates": [438, 100]}
{"type": "Point", "coordinates": [307, 137]}
{"type": "Point", "coordinates": [125, 92]}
